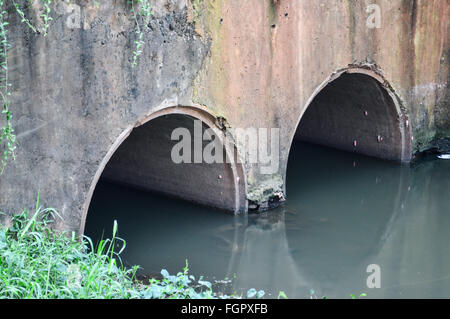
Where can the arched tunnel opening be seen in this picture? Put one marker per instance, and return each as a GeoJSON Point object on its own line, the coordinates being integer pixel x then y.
{"type": "Point", "coordinates": [355, 113]}
{"type": "Point", "coordinates": [353, 119]}
{"type": "Point", "coordinates": [145, 161]}
{"type": "Point", "coordinates": [163, 205]}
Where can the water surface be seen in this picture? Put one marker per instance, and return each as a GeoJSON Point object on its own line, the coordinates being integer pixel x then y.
{"type": "Point", "coordinates": [344, 212]}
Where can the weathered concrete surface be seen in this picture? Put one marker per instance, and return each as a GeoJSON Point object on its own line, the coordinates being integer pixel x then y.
{"type": "Point", "coordinates": [270, 57]}
{"type": "Point", "coordinates": [256, 63]}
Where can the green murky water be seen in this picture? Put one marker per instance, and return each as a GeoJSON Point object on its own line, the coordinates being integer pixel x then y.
{"type": "Point", "coordinates": [344, 212]}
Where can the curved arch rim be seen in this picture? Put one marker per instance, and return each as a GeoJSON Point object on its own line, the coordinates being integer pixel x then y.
{"type": "Point", "coordinates": [196, 112]}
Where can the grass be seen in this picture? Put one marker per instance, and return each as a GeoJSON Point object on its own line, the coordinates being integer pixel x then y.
{"type": "Point", "coordinates": [40, 263]}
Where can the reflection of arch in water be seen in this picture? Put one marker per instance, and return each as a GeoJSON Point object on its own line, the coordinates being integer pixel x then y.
{"type": "Point", "coordinates": [414, 258]}
{"type": "Point", "coordinates": [343, 221]}
{"type": "Point", "coordinates": [261, 257]}
{"type": "Point", "coordinates": [285, 250]}
{"type": "Point", "coordinates": [140, 157]}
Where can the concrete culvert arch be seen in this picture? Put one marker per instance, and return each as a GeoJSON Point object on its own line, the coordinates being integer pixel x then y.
{"type": "Point", "coordinates": [141, 158]}
{"type": "Point", "coordinates": [356, 110]}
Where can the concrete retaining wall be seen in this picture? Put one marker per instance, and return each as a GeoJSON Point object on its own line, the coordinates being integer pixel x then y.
{"type": "Point", "coordinates": [255, 63]}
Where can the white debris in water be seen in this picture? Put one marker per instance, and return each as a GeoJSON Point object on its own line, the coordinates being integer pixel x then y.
{"type": "Point", "coordinates": [444, 156]}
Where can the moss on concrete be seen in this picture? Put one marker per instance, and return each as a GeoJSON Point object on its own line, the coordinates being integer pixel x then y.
{"type": "Point", "coordinates": [423, 140]}
{"type": "Point", "coordinates": [209, 86]}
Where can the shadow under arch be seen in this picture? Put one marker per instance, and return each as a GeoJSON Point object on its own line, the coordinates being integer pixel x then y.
{"type": "Point", "coordinates": [340, 215]}
{"type": "Point", "coordinates": [234, 179]}
{"type": "Point", "coordinates": [356, 109]}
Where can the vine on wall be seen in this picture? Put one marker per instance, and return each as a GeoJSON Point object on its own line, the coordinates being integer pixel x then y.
{"type": "Point", "coordinates": [138, 8]}
{"type": "Point", "coordinates": [8, 138]}
{"type": "Point", "coordinates": [145, 11]}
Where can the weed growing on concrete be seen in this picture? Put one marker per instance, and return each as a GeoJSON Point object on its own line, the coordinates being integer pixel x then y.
{"type": "Point", "coordinates": [46, 15]}
{"type": "Point", "coordinates": [7, 137]}
{"type": "Point", "coordinates": [145, 11]}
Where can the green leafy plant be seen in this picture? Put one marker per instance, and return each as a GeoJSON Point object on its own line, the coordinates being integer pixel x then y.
{"type": "Point", "coordinates": [38, 262]}
{"type": "Point", "coordinates": [313, 295]}
{"type": "Point", "coordinates": [22, 15]}
{"type": "Point", "coordinates": [46, 15]}
{"type": "Point", "coordinates": [282, 295]}
{"type": "Point", "coordinates": [145, 12]}
{"type": "Point", "coordinates": [253, 293]}
{"type": "Point", "coordinates": [353, 296]}
{"type": "Point", "coordinates": [7, 137]}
